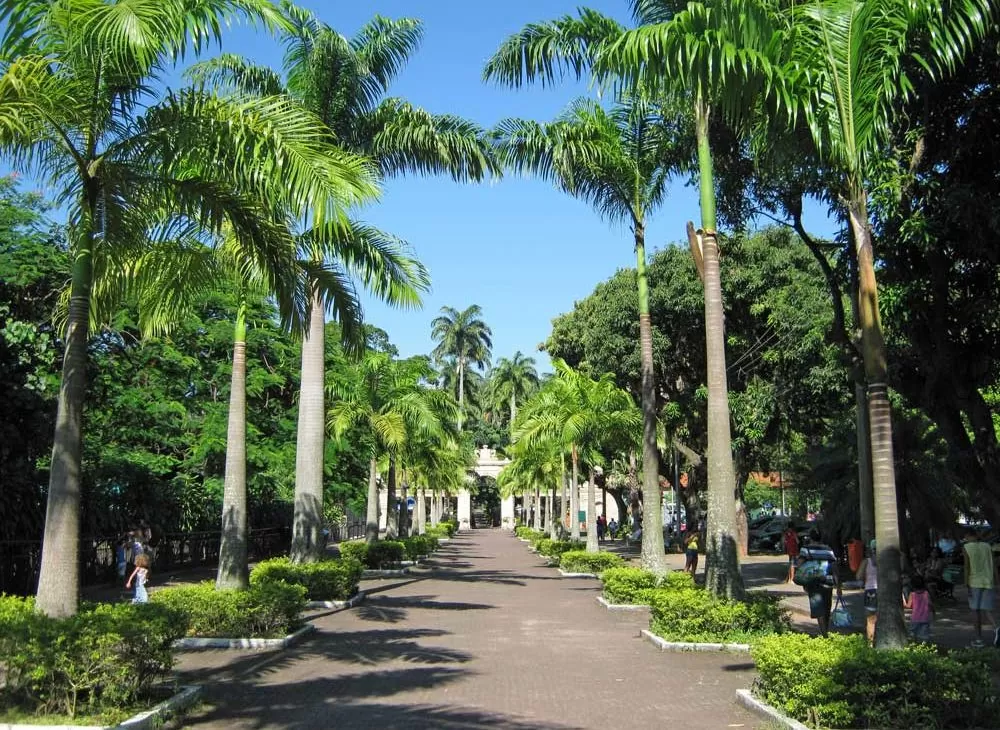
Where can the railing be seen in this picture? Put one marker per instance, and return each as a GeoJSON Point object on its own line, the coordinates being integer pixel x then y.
{"type": "Point", "coordinates": [354, 530]}
{"type": "Point", "coordinates": [20, 560]}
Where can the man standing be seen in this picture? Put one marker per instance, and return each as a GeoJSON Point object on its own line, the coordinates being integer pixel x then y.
{"type": "Point", "coordinates": [791, 540]}
{"type": "Point", "coordinates": [980, 577]}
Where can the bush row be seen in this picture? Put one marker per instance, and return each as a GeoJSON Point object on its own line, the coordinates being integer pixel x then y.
{"type": "Point", "coordinates": [267, 610]}
{"type": "Point", "coordinates": [555, 548]}
{"type": "Point", "coordinates": [527, 533]}
{"type": "Point", "coordinates": [635, 585]}
{"type": "Point", "coordinates": [694, 614]}
{"type": "Point", "coordinates": [103, 659]}
{"type": "Point", "coordinates": [386, 554]}
{"type": "Point", "coordinates": [580, 561]}
{"type": "Point", "coordinates": [842, 682]}
{"type": "Point", "coordinates": [443, 529]}
{"type": "Point", "coordinates": [326, 580]}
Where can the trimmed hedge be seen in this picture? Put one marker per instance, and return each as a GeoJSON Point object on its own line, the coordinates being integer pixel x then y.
{"type": "Point", "coordinates": [529, 534]}
{"type": "Point", "coordinates": [419, 546]}
{"type": "Point", "coordinates": [693, 614]}
{"type": "Point", "coordinates": [635, 586]}
{"type": "Point", "coordinates": [354, 550]}
{"type": "Point", "coordinates": [580, 561]}
{"type": "Point", "coordinates": [841, 682]}
{"type": "Point", "coordinates": [555, 548]}
{"type": "Point", "coordinates": [326, 580]}
{"type": "Point", "coordinates": [102, 661]}
{"type": "Point", "coordinates": [267, 610]}
{"type": "Point", "coordinates": [384, 554]}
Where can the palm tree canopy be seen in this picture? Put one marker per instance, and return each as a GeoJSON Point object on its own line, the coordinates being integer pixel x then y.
{"type": "Point", "coordinates": [515, 377]}
{"type": "Point", "coordinates": [619, 160]}
{"type": "Point", "coordinates": [462, 335]}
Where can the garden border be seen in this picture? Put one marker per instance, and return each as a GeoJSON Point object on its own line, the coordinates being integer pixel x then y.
{"type": "Point", "coordinates": [145, 720]}
{"type": "Point", "coordinates": [564, 574]}
{"type": "Point", "coordinates": [384, 573]}
{"type": "Point", "coordinates": [745, 698]}
{"type": "Point", "coordinates": [621, 606]}
{"type": "Point", "coordinates": [339, 605]}
{"type": "Point", "coordinates": [665, 645]}
{"type": "Point", "coordinates": [198, 642]}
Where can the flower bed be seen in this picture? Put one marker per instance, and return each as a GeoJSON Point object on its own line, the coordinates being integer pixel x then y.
{"type": "Point", "coordinates": [326, 580]}
{"type": "Point", "coordinates": [265, 611]}
{"type": "Point", "coordinates": [841, 682]}
{"type": "Point", "coordinates": [102, 662]}
{"type": "Point", "coordinates": [580, 561]}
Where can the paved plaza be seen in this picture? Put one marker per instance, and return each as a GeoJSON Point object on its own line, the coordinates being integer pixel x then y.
{"type": "Point", "coordinates": [483, 636]}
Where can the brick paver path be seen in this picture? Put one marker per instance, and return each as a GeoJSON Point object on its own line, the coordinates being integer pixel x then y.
{"type": "Point", "coordinates": [484, 637]}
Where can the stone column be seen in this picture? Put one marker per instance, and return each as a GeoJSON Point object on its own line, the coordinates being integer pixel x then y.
{"type": "Point", "coordinates": [420, 511]}
{"type": "Point", "coordinates": [464, 509]}
{"type": "Point", "coordinates": [507, 513]}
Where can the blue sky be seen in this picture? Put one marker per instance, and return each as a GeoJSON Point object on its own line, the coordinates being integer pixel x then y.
{"type": "Point", "coordinates": [520, 249]}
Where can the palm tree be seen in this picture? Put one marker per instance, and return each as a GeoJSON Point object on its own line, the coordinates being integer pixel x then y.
{"type": "Point", "coordinates": [345, 81]}
{"type": "Point", "coordinates": [847, 73]}
{"type": "Point", "coordinates": [465, 337]}
{"type": "Point", "coordinates": [76, 105]}
{"type": "Point", "coordinates": [535, 465]}
{"type": "Point", "coordinates": [387, 400]}
{"type": "Point", "coordinates": [512, 380]}
{"type": "Point", "coordinates": [619, 160]}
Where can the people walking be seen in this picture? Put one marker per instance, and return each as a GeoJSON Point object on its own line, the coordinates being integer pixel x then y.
{"type": "Point", "coordinates": [980, 577]}
{"type": "Point", "coordinates": [921, 609]}
{"type": "Point", "coordinates": [868, 572]}
{"type": "Point", "coordinates": [816, 572]}
{"type": "Point", "coordinates": [691, 552]}
{"type": "Point", "coordinates": [140, 575]}
{"type": "Point", "coordinates": [790, 538]}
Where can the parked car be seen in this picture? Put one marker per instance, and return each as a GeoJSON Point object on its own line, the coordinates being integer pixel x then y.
{"type": "Point", "coordinates": [768, 537]}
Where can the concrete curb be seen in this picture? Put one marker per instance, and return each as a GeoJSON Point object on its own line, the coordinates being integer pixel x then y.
{"type": "Point", "coordinates": [153, 718]}
{"type": "Point", "coordinates": [389, 573]}
{"type": "Point", "coordinates": [564, 574]}
{"type": "Point", "coordinates": [745, 697]}
{"type": "Point", "coordinates": [621, 606]}
{"type": "Point", "coordinates": [349, 603]}
{"type": "Point", "coordinates": [194, 642]}
{"type": "Point", "coordinates": [665, 645]}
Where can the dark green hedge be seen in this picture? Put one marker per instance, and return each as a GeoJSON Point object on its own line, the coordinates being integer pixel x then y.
{"type": "Point", "coordinates": [266, 610]}
{"type": "Point", "coordinates": [326, 580]}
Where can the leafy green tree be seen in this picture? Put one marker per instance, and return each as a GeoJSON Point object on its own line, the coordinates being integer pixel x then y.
{"type": "Point", "coordinates": [465, 339]}
{"type": "Point", "coordinates": [513, 380]}
{"type": "Point", "coordinates": [344, 81]}
{"type": "Point", "coordinates": [619, 161]}
{"type": "Point", "coordinates": [389, 401]}
{"type": "Point", "coordinates": [535, 465]}
{"type": "Point", "coordinates": [847, 71]}
{"type": "Point", "coordinates": [77, 107]}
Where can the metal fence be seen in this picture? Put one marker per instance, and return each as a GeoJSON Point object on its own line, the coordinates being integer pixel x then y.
{"type": "Point", "coordinates": [20, 560]}
{"type": "Point", "coordinates": [353, 530]}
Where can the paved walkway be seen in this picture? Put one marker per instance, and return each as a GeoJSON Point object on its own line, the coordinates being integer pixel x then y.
{"type": "Point", "coordinates": [485, 636]}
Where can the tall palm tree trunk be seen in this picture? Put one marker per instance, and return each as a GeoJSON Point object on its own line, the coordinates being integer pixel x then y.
{"type": "Point", "coordinates": [866, 493]}
{"type": "Point", "coordinates": [419, 511]}
{"type": "Point", "coordinates": [653, 558]}
{"type": "Point", "coordinates": [538, 509]}
{"type": "Point", "coordinates": [371, 515]}
{"type": "Point", "coordinates": [59, 575]}
{"type": "Point", "coordinates": [574, 497]}
{"type": "Point", "coordinates": [307, 522]}
{"type": "Point", "coordinates": [552, 515]}
{"type": "Point", "coordinates": [564, 497]}
{"type": "Point", "coordinates": [461, 391]}
{"type": "Point", "coordinates": [890, 632]}
{"type": "Point", "coordinates": [435, 507]}
{"type": "Point", "coordinates": [392, 511]}
{"type": "Point", "coordinates": [592, 544]}
{"type": "Point", "coordinates": [233, 551]}
{"type": "Point", "coordinates": [513, 409]}
{"type": "Point", "coordinates": [404, 512]}
{"type": "Point", "coordinates": [722, 563]}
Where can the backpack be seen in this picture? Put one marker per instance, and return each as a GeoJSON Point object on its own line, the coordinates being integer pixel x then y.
{"type": "Point", "coordinates": [817, 567]}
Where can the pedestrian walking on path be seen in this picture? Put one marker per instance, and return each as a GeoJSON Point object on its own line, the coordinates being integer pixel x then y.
{"type": "Point", "coordinates": [980, 577]}
{"type": "Point", "coordinates": [868, 572]}
{"type": "Point", "coordinates": [791, 541]}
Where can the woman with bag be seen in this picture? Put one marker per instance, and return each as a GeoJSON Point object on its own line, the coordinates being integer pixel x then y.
{"type": "Point", "coordinates": [816, 572]}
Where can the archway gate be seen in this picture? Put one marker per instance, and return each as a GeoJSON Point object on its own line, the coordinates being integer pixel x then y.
{"type": "Point", "coordinates": [488, 464]}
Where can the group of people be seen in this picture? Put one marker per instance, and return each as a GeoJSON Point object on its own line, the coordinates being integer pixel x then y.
{"type": "Point", "coordinates": [814, 567]}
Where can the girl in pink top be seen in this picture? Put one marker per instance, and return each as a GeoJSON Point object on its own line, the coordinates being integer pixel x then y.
{"type": "Point", "coordinates": [921, 609]}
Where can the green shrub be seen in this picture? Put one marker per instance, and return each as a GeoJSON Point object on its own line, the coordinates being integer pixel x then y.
{"type": "Point", "coordinates": [354, 549]}
{"type": "Point", "coordinates": [326, 580]}
{"type": "Point", "coordinates": [528, 533]}
{"type": "Point", "coordinates": [103, 659]}
{"type": "Point", "coordinates": [450, 525]}
{"type": "Point", "coordinates": [267, 610]}
{"type": "Point", "coordinates": [384, 554]}
{"type": "Point", "coordinates": [441, 531]}
{"type": "Point", "coordinates": [555, 548]}
{"type": "Point", "coordinates": [635, 586]}
{"type": "Point", "coordinates": [419, 546]}
{"type": "Point", "coordinates": [693, 614]}
{"type": "Point", "coordinates": [842, 682]}
{"type": "Point", "coordinates": [580, 561]}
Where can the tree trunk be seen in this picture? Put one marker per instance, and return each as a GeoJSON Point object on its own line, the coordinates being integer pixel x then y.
{"type": "Point", "coordinates": [513, 410]}
{"type": "Point", "coordinates": [552, 515]}
{"type": "Point", "coordinates": [866, 495]}
{"type": "Point", "coordinates": [371, 516]}
{"type": "Point", "coordinates": [392, 510]}
{"type": "Point", "coordinates": [574, 497]}
{"type": "Point", "coordinates": [404, 512]}
{"type": "Point", "coordinates": [564, 499]}
{"type": "Point", "coordinates": [653, 558]}
{"type": "Point", "coordinates": [537, 517]}
{"type": "Point", "coordinates": [890, 630]}
{"type": "Point", "coordinates": [59, 575]}
{"type": "Point", "coordinates": [722, 564]}
{"type": "Point", "coordinates": [233, 551]}
{"type": "Point", "coordinates": [592, 545]}
{"type": "Point", "coordinates": [419, 511]}
{"type": "Point", "coordinates": [461, 391]}
{"type": "Point", "coordinates": [307, 522]}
